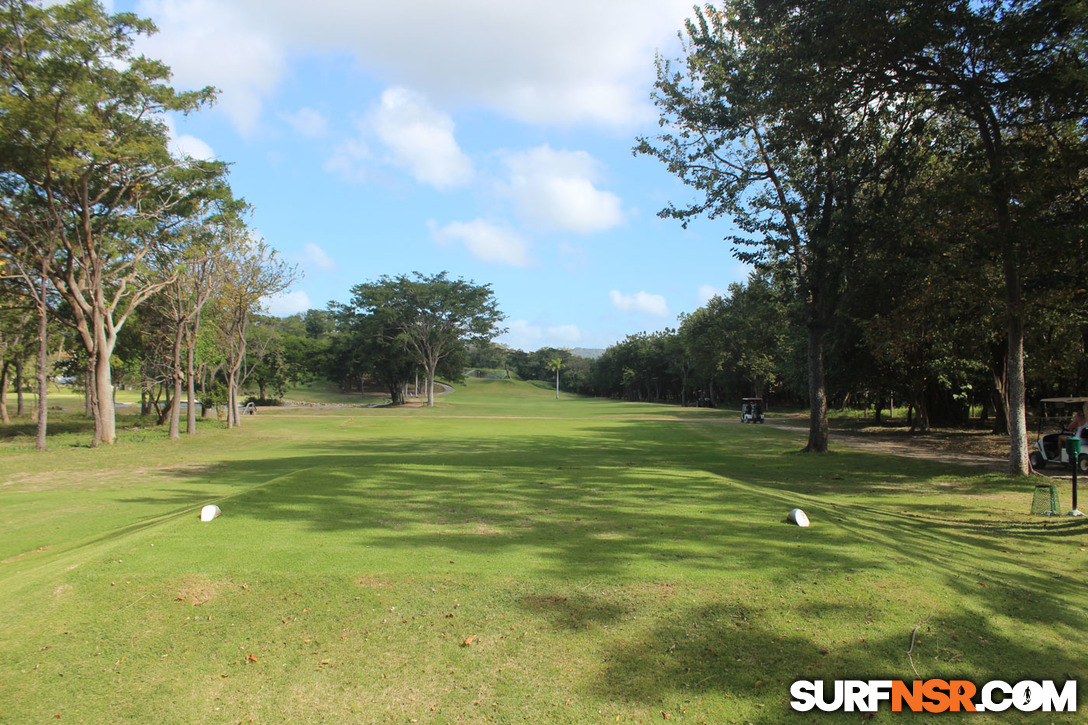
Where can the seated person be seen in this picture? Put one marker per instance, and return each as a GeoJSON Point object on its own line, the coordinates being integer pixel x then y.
{"type": "Point", "coordinates": [1074, 429]}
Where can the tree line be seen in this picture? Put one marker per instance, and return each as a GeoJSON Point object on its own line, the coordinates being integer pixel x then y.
{"type": "Point", "coordinates": [123, 263]}
{"type": "Point", "coordinates": [912, 173]}
{"type": "Point", "coordinates": [102, 224]}
{"type": "Point", "coordinates": [920, 363]}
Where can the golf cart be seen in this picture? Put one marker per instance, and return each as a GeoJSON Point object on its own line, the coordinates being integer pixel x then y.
{"type": "Point", "coordinates": [1054, 418]}
{"type": "Point", "coordinates": [751, 410]}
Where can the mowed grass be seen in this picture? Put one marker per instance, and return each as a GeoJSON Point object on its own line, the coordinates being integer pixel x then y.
{"type": "Point", "coordinates": [507, 557]}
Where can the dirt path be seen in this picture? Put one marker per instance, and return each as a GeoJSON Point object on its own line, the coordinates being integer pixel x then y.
{"type": "Point", "coordinates": [898, 444]}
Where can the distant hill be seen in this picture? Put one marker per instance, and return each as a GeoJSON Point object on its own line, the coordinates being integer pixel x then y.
{"type": "Point", "coordinates": [587, 352]}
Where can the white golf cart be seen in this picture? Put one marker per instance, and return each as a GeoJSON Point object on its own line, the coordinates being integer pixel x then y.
{"type": "Point", "coordinates": [751, 410]}
{"type": "Point", "coordinates": [1054, 418]}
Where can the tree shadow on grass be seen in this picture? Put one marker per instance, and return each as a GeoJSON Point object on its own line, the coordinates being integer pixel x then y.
{"type": "Point", "coordinates": [626, 496]}
{"type": "Point", "coordinates": [64, 426]}
{"type": "Point", "coordinates": [713, 650]}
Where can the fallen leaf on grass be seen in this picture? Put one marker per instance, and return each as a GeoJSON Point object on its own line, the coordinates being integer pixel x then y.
{"type": "Point", "coordinates": [470, 641]}
{"type": "Point", "coordinates": [251, 658]}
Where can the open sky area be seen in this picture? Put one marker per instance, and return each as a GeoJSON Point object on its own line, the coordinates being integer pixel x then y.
{"type": "Point", "coordinates": [488, 139]}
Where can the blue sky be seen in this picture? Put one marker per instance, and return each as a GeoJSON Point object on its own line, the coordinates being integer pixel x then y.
{"type": "Point", "coordinates": [488, 139]}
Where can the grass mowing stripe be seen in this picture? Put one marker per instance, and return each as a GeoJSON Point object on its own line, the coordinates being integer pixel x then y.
{"type": "Point", "coordinates": [25, 569]}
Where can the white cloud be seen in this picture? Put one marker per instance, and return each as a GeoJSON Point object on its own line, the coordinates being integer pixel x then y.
{"type": "Point", "coordinates": [420, 139]}
{"type": "Point", "coordinates": [182, 145]}
{"type": "Point", "coordinates": [708, 292]}
{"type": "Point", "coordinates": [307, 122]}
{"type": "Point", "coordinates": [522, 335]}
{"type": "Point", "coordinates": [315, 258]}
{"type": "Point", "coordinates": [207, 42]}
{"type": "Point", "coordinates": [642, 302]}
{"type": "Point", "coordinates": [568, 334]}
{"type": "Point", "coordinates": [192, 147]}
{"type": "Point", "coordinates": [566, 61]}
{"type": "Point", "coordinates": [287, 303]}
{"type": "Point", "coordinates": [485, 241]}
{"type": "Point", "coordinates": [525, 335]}
{"type": "Point", "coordinates": [348, 160]}
{"type": "Point", "coordinates": [555, 190]}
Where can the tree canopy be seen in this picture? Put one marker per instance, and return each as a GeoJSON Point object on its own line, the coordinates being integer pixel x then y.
{"type": "Point", "coordinates": [432, 317]}
{"type": "Point", "coordinates": [816, 126]}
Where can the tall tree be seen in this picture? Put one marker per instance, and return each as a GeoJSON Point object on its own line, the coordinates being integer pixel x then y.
{"type": "Point", "coordinates": [252, 272]}
{"type": "Point", "coordinates": [192, 271]}
{"type": "Point", "coordinates": [556, 364]}
{"type": "Point", "coordinates": [17, 333]}
{"type": "Point", "coordinates": [1017, 70]}
{"type": "Point", "coordinates": [368, 343]}
{"type": "Point", "coordinates": [17, 221]}
{"type": "Point", "coordinates": [434, 316]}
{"type": "Point", "coordinates": [771, 139]}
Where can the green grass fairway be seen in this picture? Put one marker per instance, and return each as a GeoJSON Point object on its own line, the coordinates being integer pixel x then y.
{"type": "Point", "coordinates": [507, 557]}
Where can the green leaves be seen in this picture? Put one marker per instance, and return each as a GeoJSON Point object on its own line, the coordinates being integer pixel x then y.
{"type": "Point", "coordinates": [432, 317]}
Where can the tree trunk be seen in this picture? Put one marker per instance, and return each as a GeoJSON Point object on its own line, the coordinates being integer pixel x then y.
{"type": "Point", "coordinates": [190, 384]}
{"type": "Point", "coordinates": [107, 412]}
{"type": "Point", "coordinates": [175, 399]}
{"type": "Point", "coordinates": [43, 370]}
{"type": "Point", "coordinates": [817, 392]}
{"type": "Point", "coordinates": [168, 407]}
{"type": "Point", "coordinates": [232, 401]}
{"type": "Point", "coordinates": [88, 389]}
{"type": "Point", "coordinates": [1017, 421]}
{"type": "Point", "coordinates": [233, 417]}
{"type": "Point", "coordinates": [921, 408]}
{"type": "Point", "coordinates": [429, 368]}
{"type": "Point", "coordinates": [991, 132]}
{"type": "Point", "coordinates": [175, 412]}
{"type": "Point", "coordinates": [4, 394]}
{"type": "Point", "coordinates": [19, 387]}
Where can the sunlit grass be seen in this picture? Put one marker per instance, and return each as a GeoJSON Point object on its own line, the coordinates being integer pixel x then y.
{"type": "Point", "coordinates": [506, 556]}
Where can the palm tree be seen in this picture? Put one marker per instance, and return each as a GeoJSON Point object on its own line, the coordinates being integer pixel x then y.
{"type": "Point", "coordinates": [555, 364]}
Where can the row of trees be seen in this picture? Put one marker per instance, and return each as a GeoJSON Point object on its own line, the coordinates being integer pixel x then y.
{"type": "Point", "coordinates": [99, 221]}
{"type": "Point", "coordinates": [860, 146]}
{"type": "Point", "coordinates": [921, 356]}
{"type": "Point", "coordinates": [739, 344]}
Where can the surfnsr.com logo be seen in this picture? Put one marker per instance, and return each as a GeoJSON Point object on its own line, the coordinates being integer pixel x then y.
{"type": "Point", "coordinates": [933, 696]}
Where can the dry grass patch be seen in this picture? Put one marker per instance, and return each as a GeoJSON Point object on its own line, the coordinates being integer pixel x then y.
{"type": "Point", "coordinates": [199, 590]}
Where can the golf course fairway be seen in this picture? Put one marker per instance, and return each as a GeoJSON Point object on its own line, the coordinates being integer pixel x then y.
{"type": "Point", "coordinates": [508, 557]}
